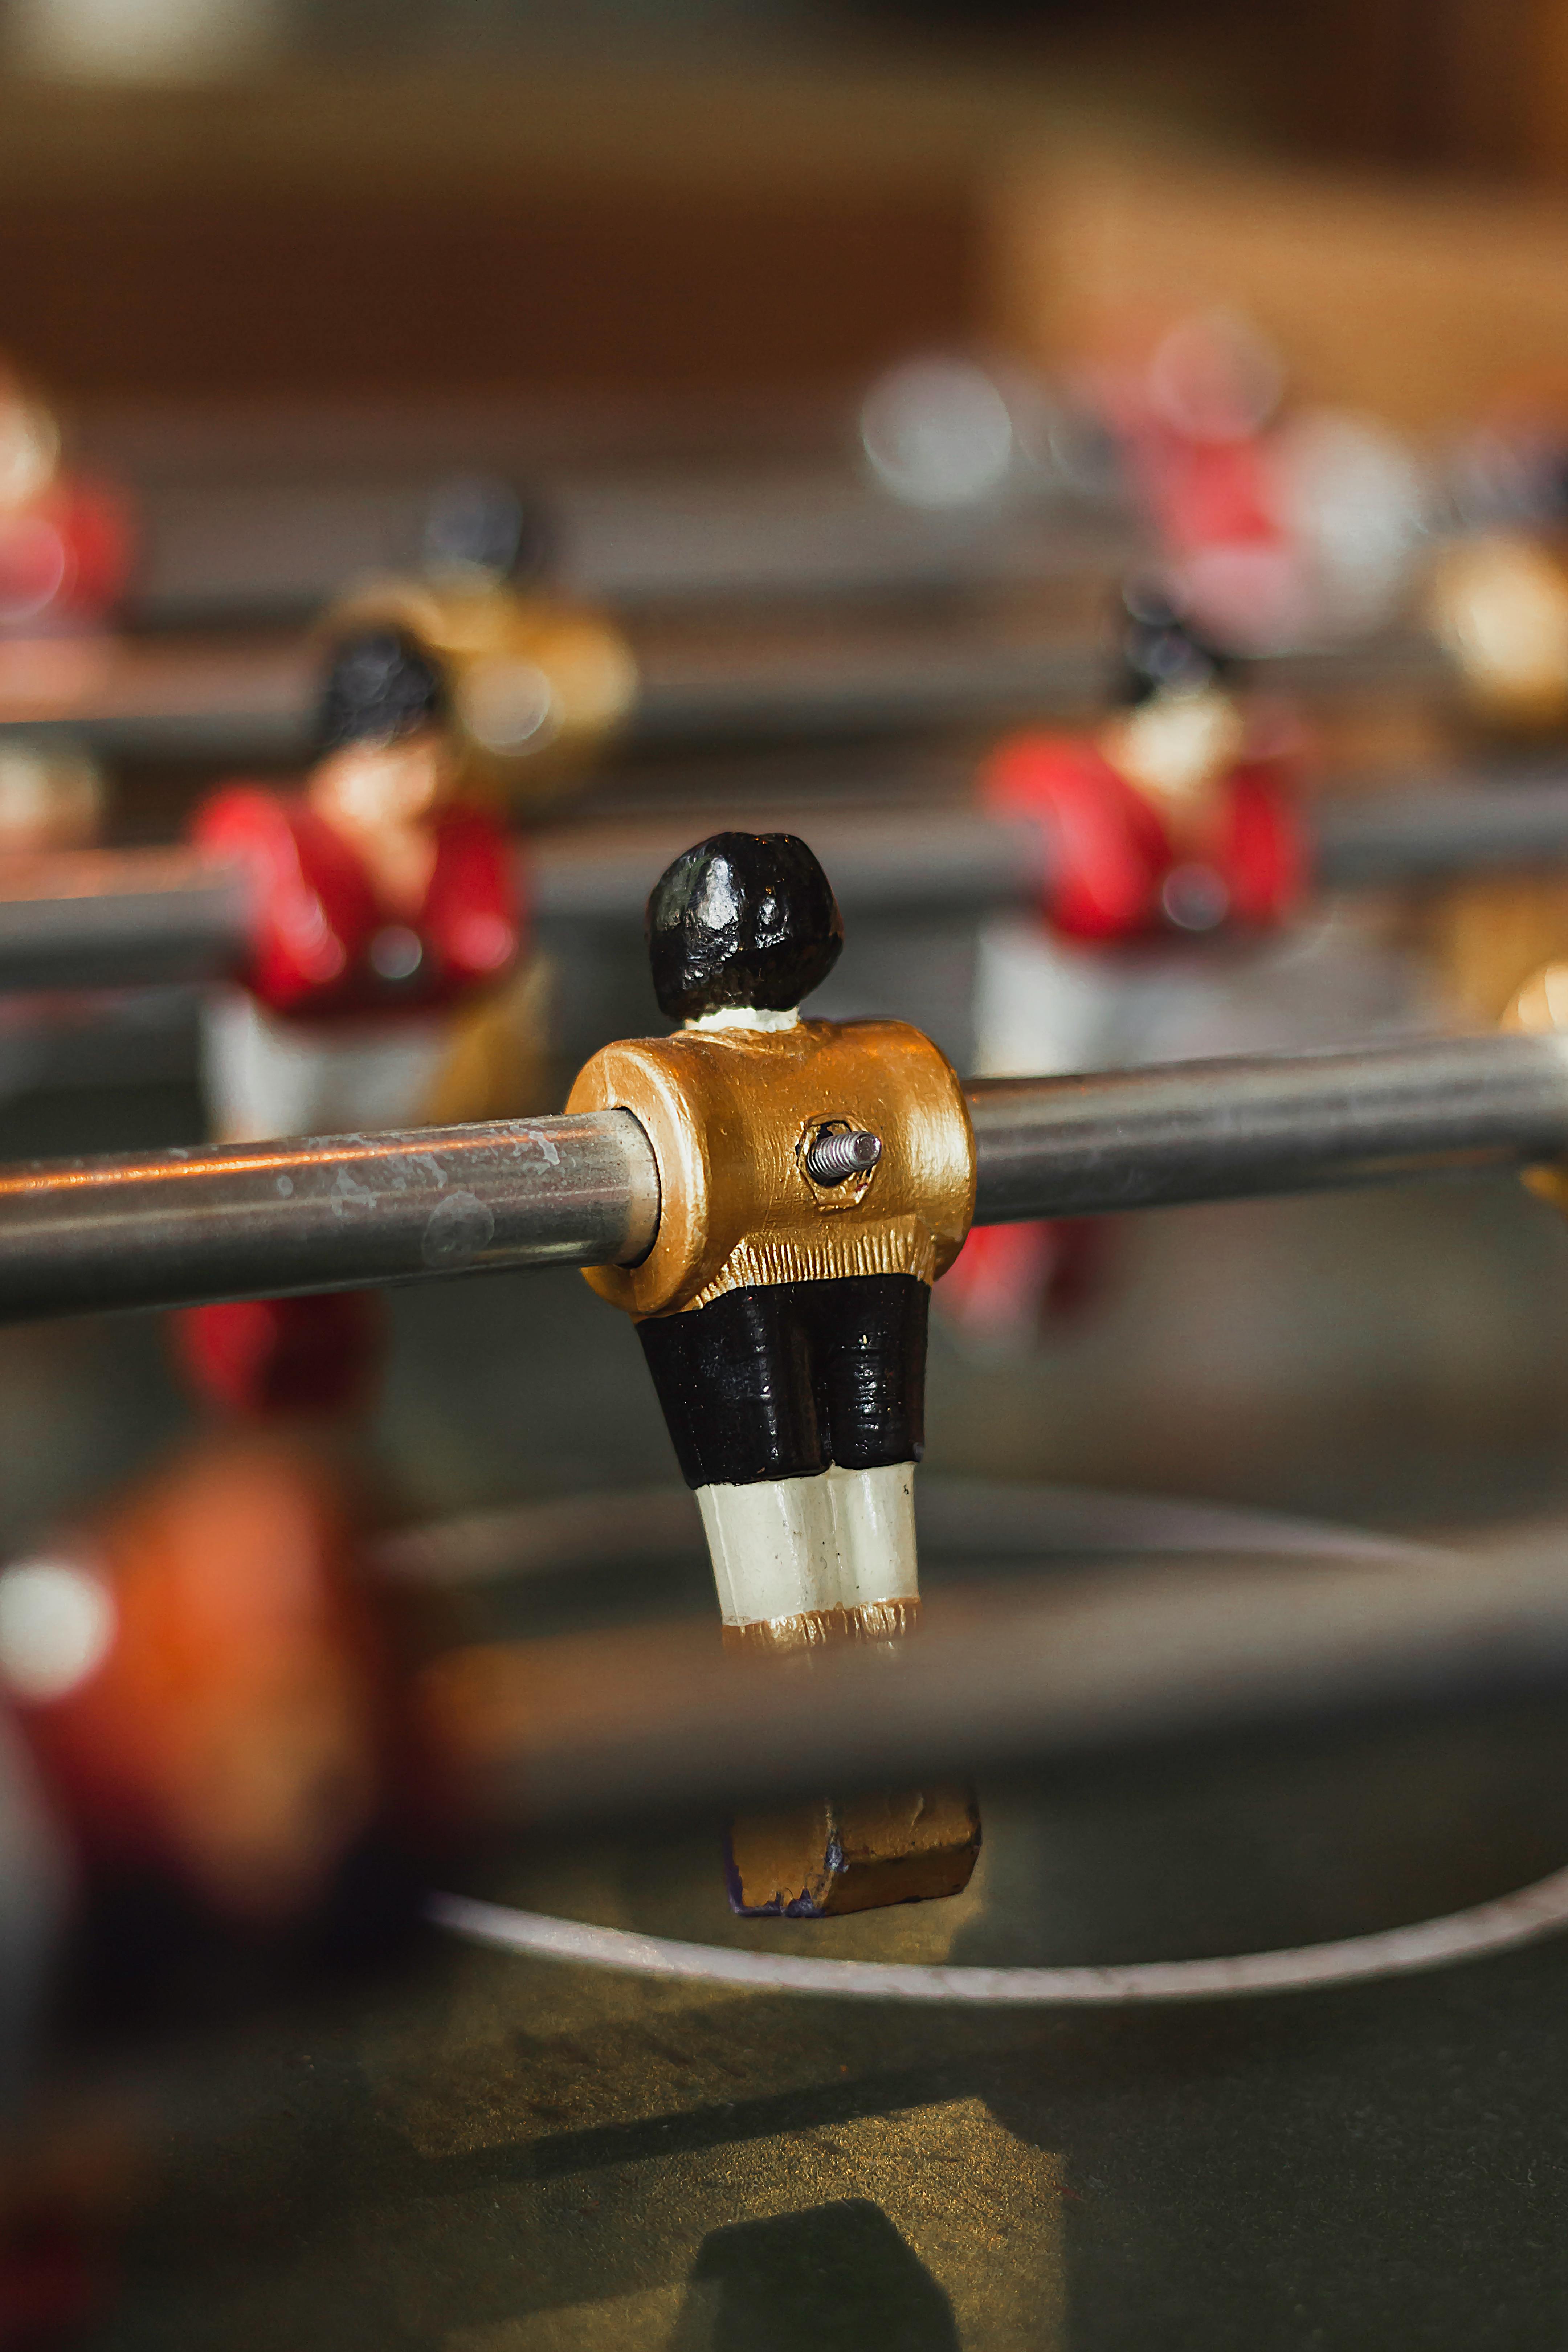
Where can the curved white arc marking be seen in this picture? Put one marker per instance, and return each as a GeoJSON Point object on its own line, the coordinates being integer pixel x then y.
{"type": "Point", "coordinates": [1501, 1926]}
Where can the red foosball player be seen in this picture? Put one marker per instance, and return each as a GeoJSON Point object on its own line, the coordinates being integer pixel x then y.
{"type": "Point", "coordinates": [1282, 527]}
{"type": "Point", "coordinates": [65, 544]}
{"type": "Point", "coordinates": [1171, 830]}
{"type": "Point", "coordinates": [65, 556]}
{"type": "Point", "coordinates": [815, 1178]}
{"type": "Point", "coordinates": [383, 987]}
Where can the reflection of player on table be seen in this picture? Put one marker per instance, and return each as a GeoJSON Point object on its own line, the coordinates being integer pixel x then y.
{"type": "Point", "coordinates": [815, 1178]}
{"type": "Point", "coordinates": [383, 990]}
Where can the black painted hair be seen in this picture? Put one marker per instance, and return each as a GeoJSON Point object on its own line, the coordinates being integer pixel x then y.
{"type": "Point", "coordinates": [1159, 649]}
{"type": "Point", "coordinates": [744, 919]}
{"type": "Point", "coordinates": [382, 684]}
{"type": "Point", "coordinates": [476, 523]}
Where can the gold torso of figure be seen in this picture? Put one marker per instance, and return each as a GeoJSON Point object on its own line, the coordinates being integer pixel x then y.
{"type": "Point", "coordinates": [539, 685]}
{"type": "Point", "coordinates": [1540, 1010]}
{"type": "Point", "coordinates": [732, 1113]}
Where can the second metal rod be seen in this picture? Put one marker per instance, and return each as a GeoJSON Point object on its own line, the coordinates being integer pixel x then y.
{"type": "Point", "coordinates": [125, 919]}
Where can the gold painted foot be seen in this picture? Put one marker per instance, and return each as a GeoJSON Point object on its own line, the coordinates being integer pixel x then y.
{"type": "Point", "coordinates": [816, 1860]}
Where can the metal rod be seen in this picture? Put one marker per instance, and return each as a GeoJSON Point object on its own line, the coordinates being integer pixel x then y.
{"type": "Point", "coordinates": [253, 695]}
{"type": "Point", "coordinates": [1055, 1671]}
{"type": "Point", "coordinates": [172, 1228]}
{"type": "Point", "coordinates": [127, 917]}
{"type": "Point", "coordinates": [123, 919]}
{"type": "Point", "coordinates": [654, 531]}
{"type": "Point", "coordinates": [873, 690]}
{"type": "Point", "coordinates": [1392, 840]}
{"type": "Point", "coordinates": [882, 861]}
{"type": "Point", "coordinates": [963, 860]}
{"type": "Point", "coordinates": [119, 919]}
{"type": "Point", "coordinates": [1228, 1129]}
{"type": "Point", "coordinates": [178, 698]}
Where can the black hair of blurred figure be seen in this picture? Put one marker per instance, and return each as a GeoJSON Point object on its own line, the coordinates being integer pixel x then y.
{"type": "Point", "coordinates": [1158, 649]}
{"type": "Point", "coordinates": [382, 685]}
{"type": "Point", "coordinates": [741, 920]}
{"type": "Point", "coordinates": [479, 524]}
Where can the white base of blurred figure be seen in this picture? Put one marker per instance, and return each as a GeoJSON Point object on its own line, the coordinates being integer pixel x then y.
{"type": "Point", "coordinates": [52, 797]}
{"type": "Point", "coordinates": [265, 1076]}
{"type": "Point", "coordinates": [1048, 1008]}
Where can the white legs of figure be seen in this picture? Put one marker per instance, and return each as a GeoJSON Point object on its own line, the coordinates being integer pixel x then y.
{"type": "Point", "coordinates": [790, 1547]}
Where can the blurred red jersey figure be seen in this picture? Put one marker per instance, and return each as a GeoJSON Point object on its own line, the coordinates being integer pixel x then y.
{"type": "Point", "coordinates": [200, 1682]}
{"type": "Point", "coordinates": [1013, 1283]}
{"type": "Point", "coordinates": [1173, 827]}
{"type": "Point", "coordinates": [202, 1773]}
{"type": "Point", "coordinates": [382, 989]}
{"type": "Point", "coordinates": [65, 544]}
{"type": "Point", "coordinates": [64, 549]}
{"type": "Point", "coordinates": [65, 559]}
{"type": "Point", "coordinates": [1279, 527]}
{"type": "Point", "coordinates": [317, 1358]}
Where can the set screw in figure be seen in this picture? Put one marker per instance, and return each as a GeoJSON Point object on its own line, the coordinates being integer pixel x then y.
{"type": "Point", "coordinates": [836, 1153]}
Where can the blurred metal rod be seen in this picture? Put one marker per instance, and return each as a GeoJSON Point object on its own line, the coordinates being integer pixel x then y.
{"type": "Point", "coordinates": [253, 695]}
{"type": "Point", "coordinates": [124, 919]}
{"type": "Point", "coordinates": [127, 919]}
{"type": "Point", "coordinates": [173, 1228]}
{"type": "Point", "coordinates": [118, 918]}
{"type": "Point", "coordinates": [1058, 1671]}
{"type": "Point", "coordinates": [865, 684]}
{"type": "Point", "coordinates": [1392, 840]}
{"type": "Point", "coordinates": [958, 860]}
{"type": "Point", "coordinates": [962, 859]}
{"type": "Point", "coordinates": [863, 690]}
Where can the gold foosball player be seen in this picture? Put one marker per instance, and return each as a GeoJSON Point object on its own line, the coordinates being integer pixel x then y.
{"type": "Point", "coordinates": [815, 1178]}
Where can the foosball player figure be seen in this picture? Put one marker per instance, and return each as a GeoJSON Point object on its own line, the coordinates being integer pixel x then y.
{"type": "Point", "coordinates": [385, 987]}
{"type": "Point", "coordinates": [1282, 527]}
{"type": "Point", "coordinates": [65, 557]}
{"type": "Point", "coordinates": [816, 1177]}
{"type": "Point", "coordinates": [1171, 828]}
{"type": "Point", "coordinates": [537, 683]}
{"type": "Point", "coordinates": [1498, 604]}
{"type": "Point", "coordinates": [65, 544]}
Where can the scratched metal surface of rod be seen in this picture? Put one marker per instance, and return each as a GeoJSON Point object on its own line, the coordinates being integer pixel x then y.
{"type": "Point", "coordinates": [174, 1227]}
{"type": "Point", "coordinates": [169, 1228]}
